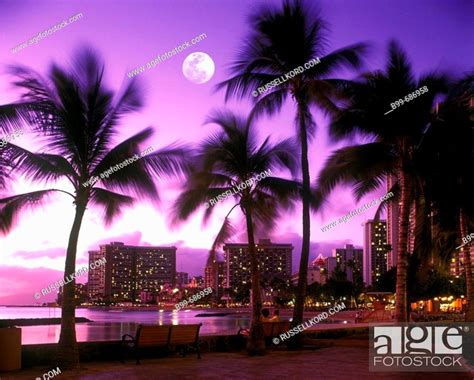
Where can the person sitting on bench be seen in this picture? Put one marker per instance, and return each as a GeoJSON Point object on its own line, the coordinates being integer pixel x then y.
{"type": "Point", "coordinates": [264, 317]}
{"type": "Point", "coordinates": [276, 316]}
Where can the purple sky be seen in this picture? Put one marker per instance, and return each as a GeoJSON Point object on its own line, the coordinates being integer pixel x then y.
{"type": "Point", "coordinates": [437, 35]}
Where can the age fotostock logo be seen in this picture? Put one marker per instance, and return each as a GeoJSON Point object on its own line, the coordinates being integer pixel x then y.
{"type": "Point", "coordinates": [419, 347]}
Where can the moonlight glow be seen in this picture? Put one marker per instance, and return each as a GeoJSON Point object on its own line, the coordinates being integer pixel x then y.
{"type": "Point", "coordinates": [198, 67]}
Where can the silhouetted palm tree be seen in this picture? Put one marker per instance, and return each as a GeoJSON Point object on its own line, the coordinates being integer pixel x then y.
{"type": "Point", "coordinates": [281, 40]}
{"type": "Point", "coordinates": [78, 118]}
{"type": "Point", "coordinates": [396, 136]}
{"type": "Point", "coordinates": [223, 162]}
{"type": "Point", "coordinates": [11, 127]}
{"type": "Point", "coordinates": [448, 159]}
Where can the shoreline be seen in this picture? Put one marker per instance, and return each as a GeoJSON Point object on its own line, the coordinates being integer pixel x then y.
{"type": "Point", "coordinates": [6, 323]}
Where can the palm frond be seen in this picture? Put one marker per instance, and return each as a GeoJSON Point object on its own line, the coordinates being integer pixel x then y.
{"type": "Point", "coordinates": [270, 103]}
{"type": "Point", "coordinates": [351, 56]}
{"type": "Point", "coordinates": [399, 67]}
{"type": "Point", "coordinates": [323, 95]}
{"type": "Point", "coordinates": [285, 190]}
{"type": "Point", "coordinates": [40, 167]}
{"type": "Point", "coordinates": [112, 203]}
{"type": "Point", "coordinates": [266, 210]}
{"type": "Point", "coordinates": [15, 116]}
{"type": "Point", "coordinates": [226, 231]}
{"type": "Point", "coordinates": [192, 199]}
{"type": "Point", "coordinates": [362, 166]}
{"type": "Point", "coordinates": [243, 85]}
{"type": "Point", "coordinates": [395, 190]}
{"type": "Point", "coordinates": [171, 161]}
{"type": "Point", "coordinates": [12, 207]}
{"type": "Point", "coordinates": [282, 155]}
{"type": "Point", "coordinates": [133, 177]}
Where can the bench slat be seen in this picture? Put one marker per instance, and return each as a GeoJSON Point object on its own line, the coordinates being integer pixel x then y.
{"type": "Point", "coordinates": [272, 329]}
{"type": "Point", "coordinates": [184, 334]}
{"type": "Point", "coordinates": [153, 335]}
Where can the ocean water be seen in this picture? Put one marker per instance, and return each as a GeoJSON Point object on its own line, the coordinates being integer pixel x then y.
{"type": "Point", "coordinates": [112, 324]}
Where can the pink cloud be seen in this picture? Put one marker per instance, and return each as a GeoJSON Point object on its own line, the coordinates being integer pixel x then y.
{"type": "Point", "coordinates": [18, 285]}
{"type": "Point", "coordinates": [52, 253]}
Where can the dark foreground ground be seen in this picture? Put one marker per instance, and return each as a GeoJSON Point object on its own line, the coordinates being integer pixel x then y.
{"type": "Point", "coordinates": [328, 363]}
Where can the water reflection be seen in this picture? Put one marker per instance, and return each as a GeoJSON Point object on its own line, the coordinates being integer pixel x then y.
{"type": "Point", "coordinates": [111, 325]}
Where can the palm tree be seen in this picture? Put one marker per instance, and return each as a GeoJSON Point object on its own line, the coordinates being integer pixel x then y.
{"type": "Point", "coordinates": [396, 136]}
{"type": "Point", "coordinates": [78, 118]}
{"type": "Point", "coordinates": [448, 159]}
{"type": "Point", "coordinates": [223, 162]}
{"type": "Point", "coordinates": [281, 40]}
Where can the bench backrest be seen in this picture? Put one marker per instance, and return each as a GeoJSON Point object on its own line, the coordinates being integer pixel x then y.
{"type": "Point", "coordinates": [184, 334]}
{"type": "Point", "coordinates": [280, 327]}
{"type": "Point", "coordinates": [267, 328]}
{"type": "Point", "coordinates": [271, 329]}
{"type": "Point", "coordinates": [153, 335]}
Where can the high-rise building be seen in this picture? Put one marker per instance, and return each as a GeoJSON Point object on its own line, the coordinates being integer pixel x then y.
{"type": "Point", "coordinates": [350, 260]}
{"type": "Point", "coordinates": [182, 279]}
{"type": "Point", "coordinates": [96, 282]}
{"type": "Point", "coordinates": [375, 250]}
{"type": "Point", "coordinates": [320, 270]}
{"type": "Point", "coordinates": [316, 272]}
{"type": "Point", "coordinates": [411, 228]}
{"type": "Point", "coordinates": [81, 294]}
{"type": "Point", "coordinates": [393, 212]}
{"type": "Point", "coordinates": [274, 261]}
{"type": "Point", "coordinates": [131, 271]}
{"type": "Point", "coordinates": [214, 276]}
{"type": "Point", "coordinates": [457, 260]}
{"type": "Point", "coordinates": [331, 264]}
{"type": "Point", "coordinates": [196, 282]}
{"type": "Point", "coordinates": [393, 220]}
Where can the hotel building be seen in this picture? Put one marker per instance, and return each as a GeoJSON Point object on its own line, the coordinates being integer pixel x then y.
{"type": "Point", "coordinates": [182, 279]}
{"type": "Point", "coordinates": [350, 260]}
{"type": "Point", "coordinates": [457, 260]}
{"type": "Point", "coordinates": [274, 261]}
{"type": "Point", "coordinates": [320, 270]}
{"type": "Point", "coordinates": [393, 212]}
{"type": "Point", "coordinates": [96, 282]}
{"type": "Point", "coordinates": [214, 276]}
{"type": "Point", "coordinates": [131, 271]}
{"type": "Point", "coordinates": [375, 250]}
{"type": "Point", "coordinates": [393, 219]}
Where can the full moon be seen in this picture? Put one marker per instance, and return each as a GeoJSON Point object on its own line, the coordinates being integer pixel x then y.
{"type": "Point", "coordinates": [198, 67]}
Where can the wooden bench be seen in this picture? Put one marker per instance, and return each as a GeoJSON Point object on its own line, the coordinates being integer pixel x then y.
{"type": "Point", "coordinates": [179, 337]}
{"type": "Point", "coordinates": [274, 329]}
{"type": "Point", "coordinates": [270, 330]}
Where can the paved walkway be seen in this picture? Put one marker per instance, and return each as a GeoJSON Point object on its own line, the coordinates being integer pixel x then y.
{"type": "Point", "coordinates": [334, 363]}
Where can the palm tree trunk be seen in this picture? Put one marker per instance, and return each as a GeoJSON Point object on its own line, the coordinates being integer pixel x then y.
{"type": "Point", "coordinates": [256, 341]}
{"type": "Point", "coordinates": [401, 312]}
{"type": "Point", "coordinates": [306, 194]}
{"type": "Point", "coordinates": [466, 249]}
{"type": "Point", "coordinates": [68, 351]}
